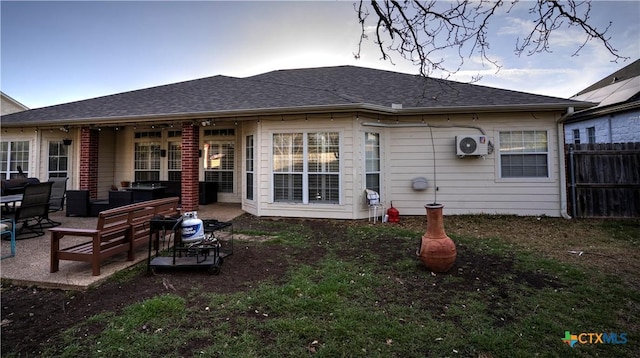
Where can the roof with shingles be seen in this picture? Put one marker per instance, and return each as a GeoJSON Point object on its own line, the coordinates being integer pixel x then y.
{"type": "Point", "coordinates": [625, 73]}
{"type": "Point", "coordinates": [303, 89]}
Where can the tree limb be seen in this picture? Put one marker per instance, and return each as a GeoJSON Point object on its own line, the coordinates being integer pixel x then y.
{"type": "Point", "coordinates": [423, 31]}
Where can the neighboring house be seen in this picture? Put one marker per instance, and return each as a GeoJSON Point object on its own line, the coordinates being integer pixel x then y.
{"type": "Point", "coordinates": [10, 105]}
{"type": "Point", "coordinates": [308, 142]}
{"type": "Point", "coordinates": [616, 118]}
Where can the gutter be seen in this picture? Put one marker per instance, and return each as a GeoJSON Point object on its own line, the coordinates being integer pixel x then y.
{"type": "Point", "coordinates": [240, 113]}
{"type": "Point", "coordinates": [599, 112]}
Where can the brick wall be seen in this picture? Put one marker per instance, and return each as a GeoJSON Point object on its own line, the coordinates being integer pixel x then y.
{"type": "Point", "coordinates": [615, 128]}
{"type": "Point", "coordinates": [190, 161]}
{"type": "Point", "coordinates": [89, 144]}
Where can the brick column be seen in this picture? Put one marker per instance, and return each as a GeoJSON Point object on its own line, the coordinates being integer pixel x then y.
{"type": "Point", "coordinates": [190, 166]}
{"type": "Point", "coordinates": [89, 144]}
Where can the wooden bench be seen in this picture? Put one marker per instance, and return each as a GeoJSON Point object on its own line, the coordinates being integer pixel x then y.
{"type": "Point", "coordinates": [118, 230]}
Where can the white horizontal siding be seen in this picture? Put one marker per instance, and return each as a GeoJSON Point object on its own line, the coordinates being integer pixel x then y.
{"type": "Point", "coordinates": [266, 206]}
{"type": "Point", "coordinates": [467, 185]}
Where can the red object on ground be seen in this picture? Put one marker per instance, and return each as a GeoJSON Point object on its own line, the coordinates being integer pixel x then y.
{"type": "Point", "coordinates": [394, 214]}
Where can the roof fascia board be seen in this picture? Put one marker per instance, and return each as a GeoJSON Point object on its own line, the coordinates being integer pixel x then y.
{"type": "Point", "coordinates": [14, 101]}
{"type": "Point", "coordinates": [588, 114]}
{"type": "Point", "coordinates": [361, 107]}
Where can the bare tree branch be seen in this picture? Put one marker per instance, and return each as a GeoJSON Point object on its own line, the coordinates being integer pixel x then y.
{"type": "Point", "coordinates": [421, 31]}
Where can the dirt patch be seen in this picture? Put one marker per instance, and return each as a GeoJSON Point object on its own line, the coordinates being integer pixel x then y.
{"type": "Point", "coordinates": [33, 317]}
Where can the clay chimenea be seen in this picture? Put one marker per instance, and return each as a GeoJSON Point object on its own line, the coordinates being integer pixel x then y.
{"type": "Point", "coordinates": [437, 251]}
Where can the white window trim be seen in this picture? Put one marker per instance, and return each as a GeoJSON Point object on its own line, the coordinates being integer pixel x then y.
{"type": "Point", "coordinates": [550, 153]}
{"type": "Point", "coordinates": [253, 171]}
{"type": "Point", "coordinates": [48, 154]}
{"type": "Point", "coordinates": [364, 158]}
{"type": "Point", "coordinates": [238, 166]}
{"type": "Point", "coordinates": [33, 155]}
{"type": "Point", "coordinates": [161, 141]}
{"type": "Point", "coordinates": [305, 170]}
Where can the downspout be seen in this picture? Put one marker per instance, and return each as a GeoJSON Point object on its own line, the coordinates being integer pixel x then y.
{"type": "Point", "coordinates": [561, 164]}
{"type": "Point", "coordinates": [572, 177]}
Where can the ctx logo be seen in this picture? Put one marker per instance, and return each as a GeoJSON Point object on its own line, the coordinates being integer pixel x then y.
{"type": "Point", "coordinates": [594, 338]}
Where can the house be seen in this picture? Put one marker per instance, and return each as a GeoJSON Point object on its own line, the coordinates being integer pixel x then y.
{"type": "Point", "coordinates": [616, 118]}
{"type": "Point", "coordinates": [10, 105]}
{"type": "Point", "coordinates": [308, 142]}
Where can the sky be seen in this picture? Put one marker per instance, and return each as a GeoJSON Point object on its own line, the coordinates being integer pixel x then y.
{"type": "Point", "coordinates": [55, 52]}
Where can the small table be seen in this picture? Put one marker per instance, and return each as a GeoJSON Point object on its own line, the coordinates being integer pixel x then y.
{"type": "Point", "coordinates": [10, 199]}
{"type": "Point", "coordinates": [147, 192]}
{"type": "Point", "coordinates": [6, 199]}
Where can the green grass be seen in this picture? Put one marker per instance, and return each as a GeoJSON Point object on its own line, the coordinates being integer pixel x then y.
{"type": "Point", "coordinates": [357, 307]}
{"type": "Point", "coordinates": [623, 230]}
{"type": "Point", "coordinates": [282, 233]}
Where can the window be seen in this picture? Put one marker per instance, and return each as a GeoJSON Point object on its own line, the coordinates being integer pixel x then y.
{"type": "Point", "coordinates": [323, 167]}
{"type": "Point", "coordinates": [372, 161]}
{"type": "Point", "coordinates": [524, 154]}
{"type": "Point", "coordinates": [146, 156]}
{"type": "Point", "coordinates": [14, 155]}
{"type": "Point", "coordinates": [576, 136]}
{"type": "Point", "coordinates": [58, 160]}
{"type": "Point", "coordinates": [306, 167]}
{"type": "Point", "coordinates": [249, 158]}
{"type": "Point", "coordinates": [288, 167]}
{"type": "Point", "coordinates": [147, 161]}
{"type": "Point", "coordinates": [174, 161]}
{"type": "Point", "coordinates": [218, 164]}
{"type": "Point", "coordinates": [591, 134]}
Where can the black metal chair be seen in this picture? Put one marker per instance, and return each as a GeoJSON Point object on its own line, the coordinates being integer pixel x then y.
{"type": "Point", "coordinates": [33, 208]}
{"type": "Point", "coordinates": [56, 201]}
{"type": "Point", "coordinates": [58, 194]}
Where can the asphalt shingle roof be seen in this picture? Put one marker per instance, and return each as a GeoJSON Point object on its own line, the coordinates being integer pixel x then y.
{"type": "Point", "coordinates": [283, 89]}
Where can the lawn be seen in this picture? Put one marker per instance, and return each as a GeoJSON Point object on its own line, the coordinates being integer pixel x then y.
{"type": "Point", "coordinates": [330, 288]}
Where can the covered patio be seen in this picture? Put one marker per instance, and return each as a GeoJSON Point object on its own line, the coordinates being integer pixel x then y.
{"type": "Point", "coordinates": [30, 266]}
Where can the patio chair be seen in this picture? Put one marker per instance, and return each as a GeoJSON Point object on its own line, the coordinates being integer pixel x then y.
{"type": "Point", "coordinates": [8, 232]}
{"type": "Point", "coordinates": [56, 201]}
{"type": "Point", "coordinates": [17, 185]}
{"type": "Point", "coordinates": [372, 199]}
{"type": "Point", "coordinates": [33, 208]}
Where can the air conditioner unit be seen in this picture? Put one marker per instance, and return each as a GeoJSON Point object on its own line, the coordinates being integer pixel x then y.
{"type": "Point", "coordinates": [467, 145]}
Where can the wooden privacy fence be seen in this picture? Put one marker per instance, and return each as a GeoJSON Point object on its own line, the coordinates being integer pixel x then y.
{"type": "Point", "coordinates": [603, 180]}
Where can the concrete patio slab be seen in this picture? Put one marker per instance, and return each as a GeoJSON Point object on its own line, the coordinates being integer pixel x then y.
{"type": "Point", "coordinates": [30, 266]}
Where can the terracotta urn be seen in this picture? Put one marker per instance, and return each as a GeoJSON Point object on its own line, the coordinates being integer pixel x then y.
{"type": "Point", "coordinates": [437, 250]}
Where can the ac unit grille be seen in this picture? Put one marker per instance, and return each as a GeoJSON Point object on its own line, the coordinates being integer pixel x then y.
{"type": "Point", "coordinates": [468, 145]}
{"type": "Point", "coordinates": [472, 145]}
